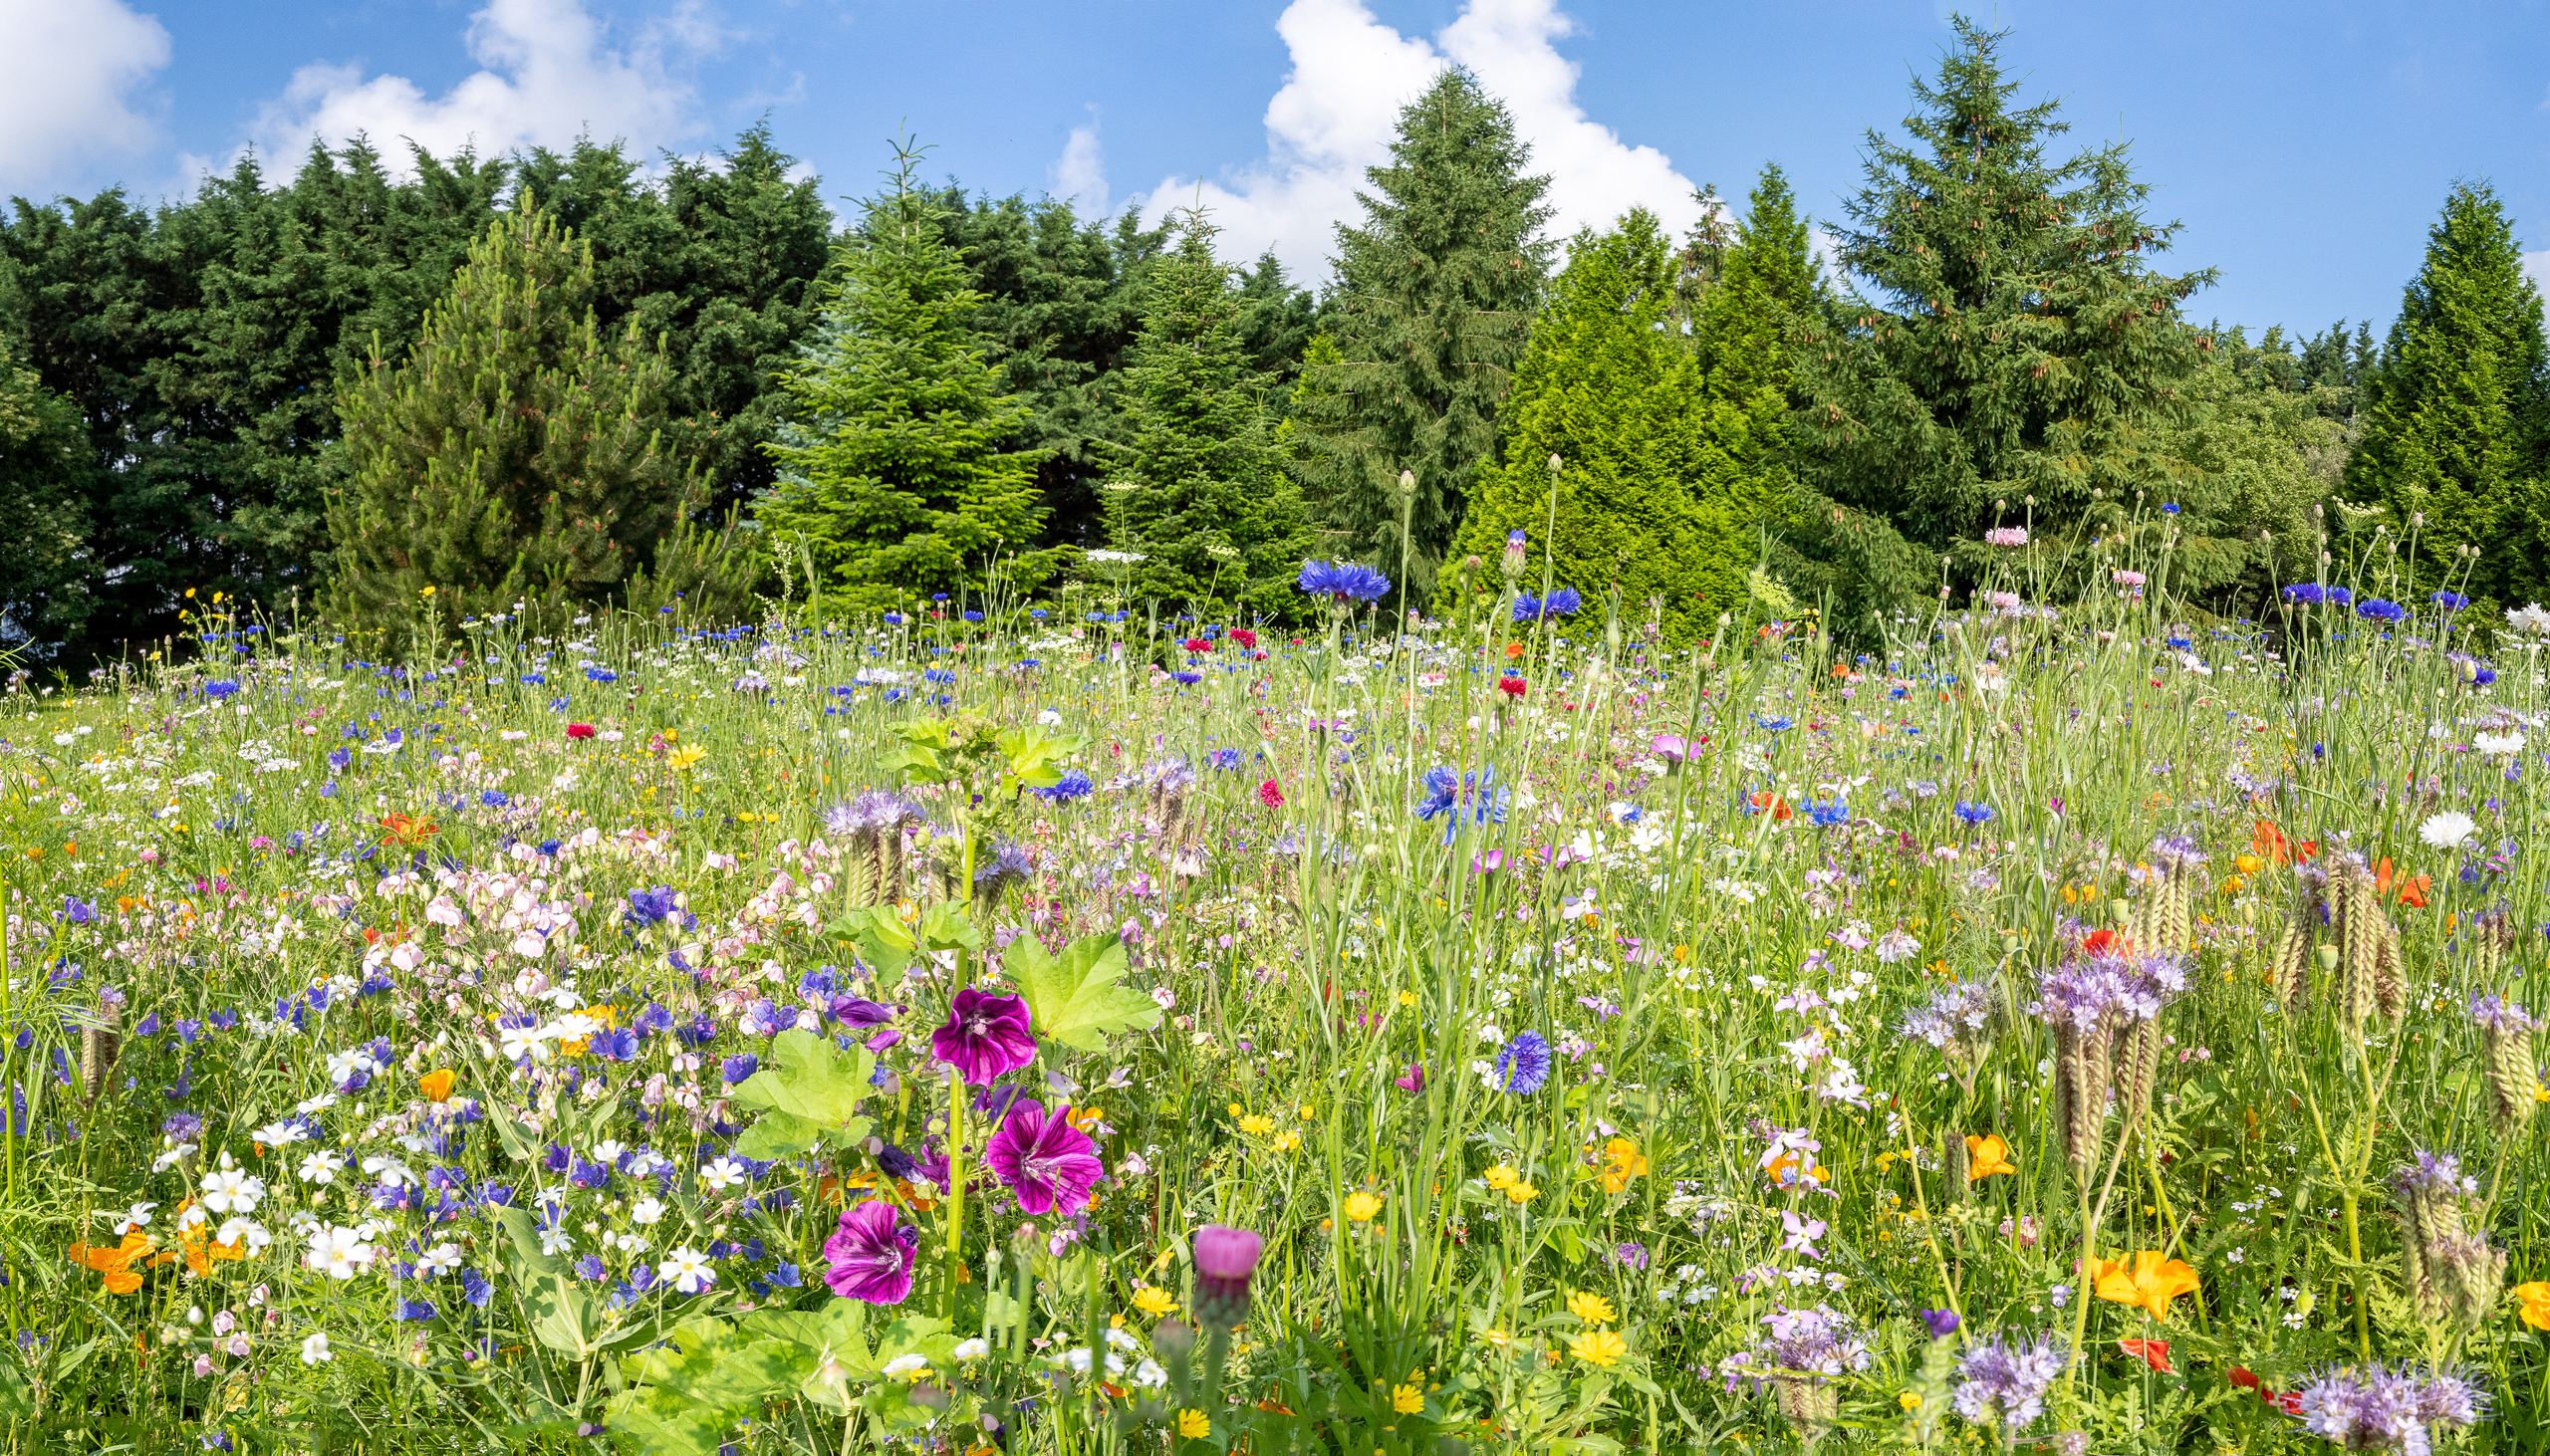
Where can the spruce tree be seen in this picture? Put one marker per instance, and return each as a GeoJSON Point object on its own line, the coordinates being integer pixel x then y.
{"type": "Point", "coordinates": [43, 466]}
{"type": "Point", "coordinates": [2010, 344]}
{"type": "Point", "coordinates": [1202, 492]}
{"type": "Point", "coordinates": [1435, 300]}
{"type": "Point", "coordinates": [1624, 406]}
{"type": "Point", "coordinates": [896, 478]}
{"type": "Point", "coordinates": [2453, 432]}
{"type": "Point", "coordinates": [514, 454]}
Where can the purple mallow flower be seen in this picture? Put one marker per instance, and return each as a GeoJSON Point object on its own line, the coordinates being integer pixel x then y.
{"type": "Point", "coordinates": [986, 1036]}
{"type": "Point", "coordinates": [871, 1255]}
{"type": "Point", "coordinates": [1046, 1161]}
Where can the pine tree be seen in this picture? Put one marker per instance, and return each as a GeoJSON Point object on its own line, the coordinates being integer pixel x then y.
{"type": "Point", "coordinates": [1202, 493]}
{"type": "Point", "coordinates": [894, 475]}
{"type": "Point", "coordinates": [1435, 302]}
{"type": "Point", "coordinates": [1624, 406]}
{"type": "Point", "coordinates": [2453, 433]}
{"type": "Point", "coordinates": [514, 454]}
{"type": "Point", "coordinates": [2013, 352]}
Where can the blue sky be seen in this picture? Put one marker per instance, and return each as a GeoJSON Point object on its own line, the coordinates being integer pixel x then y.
{"type": "Point", "coordinates": [2307, 148]}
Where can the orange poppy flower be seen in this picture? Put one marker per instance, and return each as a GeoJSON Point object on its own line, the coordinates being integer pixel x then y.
{"type": "Point", "coordinates": [1986, 1157]}
{"type": "Point", "coordinates": [437, 1084]}
{"type": "Point", "coordinates": [1778, 807]}
{"type": "Point", "coordinates": [116, 1262]}
{"type": "Point", "coordinates": [2153, 1352]}
{"type": "Point", "coordinates": [400, 829]}
{"type": "Point", "coordinates": [2151, 1281]}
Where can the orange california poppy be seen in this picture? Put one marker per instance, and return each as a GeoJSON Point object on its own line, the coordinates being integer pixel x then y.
{"type": "Point", "coordinates": [2153, 1352]}
{"type": "Point", "coordinates": [1987, 1156]}
{"type": "Point", "coordinates": [437, 1084]}
{"type": "Point", "coordinates": [2151, 1281]}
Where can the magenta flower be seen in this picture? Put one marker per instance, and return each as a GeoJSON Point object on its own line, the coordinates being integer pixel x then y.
{"type": "Point", "coordinates": [1225, 1260]}
{"type": "Point", "coordinates": [985, 1037]}
{"type": "Point", "coordinates": [1044, 1159]}
{"type": "Point", "coordinates": [872, 1255]}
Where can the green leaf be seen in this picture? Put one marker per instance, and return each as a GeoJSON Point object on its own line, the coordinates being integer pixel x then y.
{"type": "Point", "coordinates": [1076, 997]}
{"type": "Point", "coordinates": [526, 1238]}
{"type": "Point", "coordinates": [812, 1079]}
{"type": "Point", "coordinates": [777, 1136]}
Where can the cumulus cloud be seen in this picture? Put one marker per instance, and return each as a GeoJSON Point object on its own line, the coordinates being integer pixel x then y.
{"type": "Point", "coordinates": [549, 74]}
{"type": "Point", "coordinates": [1336, 113]}
{"type": "Point", "coordinates": [68, 78]}
{"type": "Point", "coordinates": [1079, 176]}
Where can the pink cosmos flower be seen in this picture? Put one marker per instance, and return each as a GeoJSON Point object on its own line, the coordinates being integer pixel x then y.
{"type": "Point", "coordinates": [986, 1036]}
{"type": "Point", "coordinates": [1044, 1159]}
{"type": "Point", "coordinates": [872, 1255]}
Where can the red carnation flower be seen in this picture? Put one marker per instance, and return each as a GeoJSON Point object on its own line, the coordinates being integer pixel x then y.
{"type": "Point", "coordinates": [580, 730]}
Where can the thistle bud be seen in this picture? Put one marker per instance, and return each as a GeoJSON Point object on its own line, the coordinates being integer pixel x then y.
{"type": "Point", "coordinates": [1225, 1260]}
{"type": "Point", "coordinates": [1407, 484]}
{"type": "Point", "coordinates": [1514, 555]}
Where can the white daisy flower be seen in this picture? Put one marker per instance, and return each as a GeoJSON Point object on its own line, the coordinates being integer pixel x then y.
{"type": "Point", "coordinates": [688, 1270]}
{"type": "Point", "coordinates": [2447, 830]}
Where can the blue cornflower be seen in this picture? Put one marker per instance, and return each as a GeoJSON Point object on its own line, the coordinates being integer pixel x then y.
{"type": "Point", "coordinates": [651, 906]}
{"type": "Point", "coordinates": [1341, 580]}
{"type": "Point", "coordinates": [601, 674]}
{"type": "Point", "coordinates": [1072, 784]}
{"type": "Point", "coordinates": [939, 675]}
{"type": "Point", "coordinates": [1562, 601]}
{"type": "Point", "coordinates": [2450, 601]}
{"type": "Point", "coordinates": [2376, 610]}
{"type": "Point", "coordinates": [1223, 757]}
{"type": "Point", "coordinates": [1472, 795]}
{"type": "Point", "coordinates": [1524, 1066]}
{"type": "Point", "coordinates": [974, 616]}
{"type": "Point", "coordinates": [2312, 593]}
{"type": "Point", "coordinates": [1188, 679]}
{"type": "Point", "coordinates": [1836, 811]}
{"type": "Point", "coordinates": [1773, 725]}
{"type": "Point", "coordinates": [2169, 508]}
{"type": "Point", "coordinates": [1973, 813]}
{"type": "Point", "coordinates": [496, 798]}
{"type": "Point", "coordinates": [221, 687]}
{"type": "Point", "coordinates": [893, 619]}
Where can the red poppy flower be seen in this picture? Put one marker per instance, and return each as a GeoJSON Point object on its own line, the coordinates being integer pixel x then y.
{"type": "Point", "coordinates": [2155, 1353]}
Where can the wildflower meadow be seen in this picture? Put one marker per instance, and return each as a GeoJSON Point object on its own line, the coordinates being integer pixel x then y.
{"type": "Point", "coordinates": [2071, 1024]}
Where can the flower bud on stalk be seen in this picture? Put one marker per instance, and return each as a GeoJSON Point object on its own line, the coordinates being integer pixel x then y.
{"type": "Point", "coordinates": [2514, 1081]}
{"type": "Point", "coordinates": [2453, 1276]}
{"type": "Point", "coordinates": [1225, 1261]}
{"type": "Point", "coordinates": [1514, 555]}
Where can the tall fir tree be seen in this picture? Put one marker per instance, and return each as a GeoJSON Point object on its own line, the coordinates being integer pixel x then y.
{"type": "Point", "coordinates": [2012, 355]}
{"type": "Point", "coordinates": [2453, 432]}
{"type": "Point", "coordinates": [1200, 491]}
{"type": "Point", "coordinates": [516, 453]}
{"type": "Point", "coordinates": [896, 478]}
{"type": "Point", "coordinates": [1434, 298]}
{"type": "Point", "coordinates": [44, 467]}
{"type": "Point", "coordinates": [1622, 403]}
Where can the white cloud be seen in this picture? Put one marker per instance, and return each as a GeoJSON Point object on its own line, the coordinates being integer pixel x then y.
{"type": "Point", "coordinates": [68, 75]}
{"type": "Point", "coordinates": [1338, 109]}
{"type": "Point", "coordinates": [549, 77]}
{"type": "Point", "coordinates": [1079, 176]}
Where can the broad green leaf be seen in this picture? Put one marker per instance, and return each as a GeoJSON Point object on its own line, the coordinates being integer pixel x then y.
{"type": "Point", "coordinates": [777, 1136]}
{"type": "Point", "coordinates": [1033, 755]}
{"type": "Point", "coordinates": [526, 1238]}
{"type": "Point", "coordinates": [948, 927]}
{"type": "Point", "coordinates": [563, 1316]}
{"type": "Point", "coordinates": [1075, 996]}
{"type": "Point", "coordinates": [810, 1077]}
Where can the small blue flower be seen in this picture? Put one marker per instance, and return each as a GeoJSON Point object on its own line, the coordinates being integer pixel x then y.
{"type": "Point", "coordinates": [1973, 814]}
{"type": "Point", "coordinates": [2450, 601]}
{"type": "Point", "coordinates": [739, 1067]}
{"type": "Point", "coordinates": [2374, 608]}
{"type": "Point", "coordinates": [1188, 679]}
{"type": "Point", "coordinates": [1523, 1068]}
{"type": "Point", "coordinates": [496, 798]}
{"type": "Point", "coordinates": [1342, 581]}
{"type": "Point", "coordinates": [1073, 785]}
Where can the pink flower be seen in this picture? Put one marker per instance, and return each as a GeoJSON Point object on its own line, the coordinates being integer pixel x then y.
{"type": "Point", "coordinates": [1044, 1159]}
{"type": "Point", "coordinates": [872, 1255]}
{"type": "Point", "coordinates": [1271, 794]}
{"type": "Point", "coordinates": [580, 730]}
{"type": "Point", "coordinates": [1226, 1259]}
{"type": "Point", "coordinates": [985, 1037]}
{"type": "Point", "coordinates": [1412, 1081]}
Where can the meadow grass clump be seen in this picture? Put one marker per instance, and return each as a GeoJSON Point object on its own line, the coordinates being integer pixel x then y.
{"type": "Point", "coordinates": [1024, 1029]}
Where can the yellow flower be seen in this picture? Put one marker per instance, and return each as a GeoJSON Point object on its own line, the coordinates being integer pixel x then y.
{"type": "Point", "coordinates": [1498, 1337]}
{"type": "Point", "coordinates": [2536, 1303]}
{"type": "Point", "coordinates": [2151, 1282]}
{"type": "Point", "coordinates": [1407, 1400]}
{"type": "Point", "coordinates": [1257, 1124]}
{"type": "Point", "coordinates": [1521, 1192]}
{"type": "Point", "coordinates": [1601, 1348]}
{"type": "Point", "coordinates": [436, 1085]}
{"type": "Point", "coordinates": [1626, 1165]}
{"type": "Point", "coordinates": [1987, 1156]}
{"type": "Point", "coordinates": [1193, 1425]}
{"type": "Point", "coordinates": [1499, 1176]}
{"type": "Point", "coordinates": [1287, 1140]}
{"type": "Point", "coordinates": [1592, 1308]}
{"type": "Point", "coordinates": [1307, 1113]}
{"type": "Point", "coordinates": [1154, 1301]}
{"type": "Point", "coordinates": [1362, 1205]}
{"type": "Point", "coordinates": [1408, 998]}
{"type": "Point", "coordinates": [1909, 1401]}
{"type": "Point", "coordinates": [685, 756]}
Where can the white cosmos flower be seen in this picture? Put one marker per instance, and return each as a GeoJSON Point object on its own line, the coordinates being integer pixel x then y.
{"type": "Point", "coordinates": [439, 1260]}
{"type": "Point", "coordinates": [2447, 830]}
{"type": "Point", "coordinates": [723, 1175]}
{"type": "Point", "coordinates": [339, 1252]}
{"type": "Point", "coordinates": [244, 1233]}
{"type": "Point", "coordinates": [392, 1172]}
{"type": "Point", "coordinates": [137, 1216]}
{"type": "Point", "coordinates": [645, 1211]}
{"type": "Point", "coordinates": [314, 1349]}
{"type": "Point", "coordinates": [320, 1166]}
{"type": "Point", "coordinates": [278, 1134]}
{"type": "Point", "coordinates": [688, 1271]}
{"type": "Point", "coordinates": [517, 1042]}
{"type": "Point", "coordinates": [227, 1189]}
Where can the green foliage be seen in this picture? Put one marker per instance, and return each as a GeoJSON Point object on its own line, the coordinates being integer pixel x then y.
{"type": "Point", "coordinates": [2011, 355]}
{"type": "Point", "coordinates": [1435, 300]}
{"type": "Point", "coordinates": [2264, 444]}
{"type": "Point", "coordinates": [1622, 405]}
{"type": "Point", "coordinates": [516, 453]}
{"type": "Point", "coordinates": [1077, 997]}
{"type": "Point", "coordinates": [43, 465]}
{"type": "Point", "coordinates": [1200, 491]}
{"type": "Point", "coordinates": [2457, 417]}
{"type": "Point", "coordinates": [895, 476]}
{"type": "Point", "coordinates": [813, 1088]}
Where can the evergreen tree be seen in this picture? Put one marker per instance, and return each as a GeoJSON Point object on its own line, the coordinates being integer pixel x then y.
{"type": "Point", "coordinates": [1624, 406]}
{"type": "Point", "coordinates": [895, 477]}
{"type": "Point", "coordinates": [1202, 493]}
{"type": "Point", "coordinates": [1435, 300]}
{"type": "Point", "coordinates": [44, 462]}
{"type": "Point", "coordinates": [2458, 415]}
{"type": "Point", "coordinates": [2012, 355]}
{"type": "Point", "coordinates": [1767, 288]}
{"type": "Point", "coordinates": [515, 453]}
